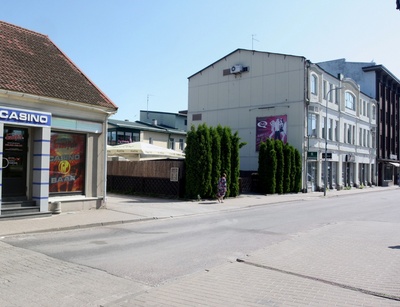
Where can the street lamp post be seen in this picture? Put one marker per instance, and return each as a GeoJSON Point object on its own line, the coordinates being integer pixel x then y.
{"type": "Point", "coordinates": [326, 138]}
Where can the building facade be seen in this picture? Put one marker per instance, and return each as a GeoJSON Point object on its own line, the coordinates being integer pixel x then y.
{"type": "Point", "coordinates": [122, 132]}
{"type": "Point", "coordinates": [165, 119]}
{"type": "Point", "coordinates": [53, 126]}
{"type": "Point", "coordinates": [267, 95]}
{"type": "Point", "coordinates": [378, 82]}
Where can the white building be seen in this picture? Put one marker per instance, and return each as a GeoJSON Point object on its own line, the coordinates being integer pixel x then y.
{"type": "Point", "coordinates": [262, 94]}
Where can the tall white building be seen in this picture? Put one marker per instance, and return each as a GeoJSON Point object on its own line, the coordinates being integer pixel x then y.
{"type": "Point", "coordinates": [267, 95]}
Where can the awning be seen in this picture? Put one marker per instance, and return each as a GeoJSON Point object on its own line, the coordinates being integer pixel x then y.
{"type": "Point", "coordinates": [395, 164]}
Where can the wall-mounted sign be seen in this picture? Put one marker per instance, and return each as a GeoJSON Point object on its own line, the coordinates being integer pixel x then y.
{"type": "Point", "coordinates": [174, 175]}
{"type": "Point", "coordinates": [25, 117]}
{"type": "Point", "coordinates": [312, 155]}
{"type": "Point", "coordinates": [271, 127]}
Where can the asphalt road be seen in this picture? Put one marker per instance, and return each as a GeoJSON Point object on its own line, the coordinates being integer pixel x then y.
{"type": "Point", "coordinates": [159, 251]}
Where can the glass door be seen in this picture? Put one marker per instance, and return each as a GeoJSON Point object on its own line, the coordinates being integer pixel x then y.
{"type": "Point", "coordinates": [15, 148]}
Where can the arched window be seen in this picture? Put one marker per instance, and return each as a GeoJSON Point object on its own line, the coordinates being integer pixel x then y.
{"type": "Point", "coordinates": [314, 84]}
{"type": "Point", "coordinates": [350, 101]}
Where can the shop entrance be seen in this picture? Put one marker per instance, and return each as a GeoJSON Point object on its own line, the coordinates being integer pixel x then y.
{"type": "Point", "coordinates": [15, 148]}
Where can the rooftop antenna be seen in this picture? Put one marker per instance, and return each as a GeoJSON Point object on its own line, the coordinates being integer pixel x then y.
{"type": "Point", "coordinates": [252, 41]}
{"type": "Point", "coordinates": [148, 97]}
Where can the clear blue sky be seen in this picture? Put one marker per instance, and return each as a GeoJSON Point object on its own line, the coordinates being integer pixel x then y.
{"type": "Point", "coordinates": [134, 49]}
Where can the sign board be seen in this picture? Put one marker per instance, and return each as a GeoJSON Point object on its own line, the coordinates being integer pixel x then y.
{"type": "Point", "coordinates": [312, 155]}
{"type": "Point", "coordinates": [25, 117]}
{"type": "Point", "coordinates": [328, 155]}
{"type": "Point", "coordinates": [174, 175]}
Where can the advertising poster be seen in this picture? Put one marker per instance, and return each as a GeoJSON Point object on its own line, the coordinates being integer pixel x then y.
{"type": "Point", "coordinates": [271, 127]}
{"type": "Point", "coordinates": [67, 162]}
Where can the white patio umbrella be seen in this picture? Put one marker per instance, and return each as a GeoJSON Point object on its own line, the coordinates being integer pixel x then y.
{"type": "Point", "coordinates": [143, 151]}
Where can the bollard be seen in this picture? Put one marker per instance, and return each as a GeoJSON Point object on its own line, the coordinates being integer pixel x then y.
{"type": "Point", "coordinates": [56, 207]}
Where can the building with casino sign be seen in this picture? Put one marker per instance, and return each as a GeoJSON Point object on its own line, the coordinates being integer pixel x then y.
{"type": "Point", "coordinates": [53, 126]}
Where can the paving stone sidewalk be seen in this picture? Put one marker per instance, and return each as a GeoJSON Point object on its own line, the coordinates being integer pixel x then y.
{"type": "Point", "coordinates": [345, 264]}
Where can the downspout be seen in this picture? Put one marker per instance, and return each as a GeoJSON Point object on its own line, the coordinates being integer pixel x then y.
{"type": "Point", "coordinates": [306, 103]}
{"type": "Point", "coordinates": [105, 132]}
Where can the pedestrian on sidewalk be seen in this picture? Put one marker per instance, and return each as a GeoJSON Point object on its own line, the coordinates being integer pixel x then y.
{"type": "Point", "coordinates": [221, 188]}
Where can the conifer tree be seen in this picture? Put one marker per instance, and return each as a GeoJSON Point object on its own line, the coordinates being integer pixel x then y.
{"type": "Point", "coordinates": [280, 166]}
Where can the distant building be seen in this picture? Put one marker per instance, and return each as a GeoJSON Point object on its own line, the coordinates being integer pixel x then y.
{"type": "Point", "coordinates": [165, 119]}
{"type": "Point", "coordinates": [122, 132]}
{"type": "Point", "coordinates": [53, 126]}
{"type": "Point", "coordinates": [268, 95]}
{"type": "Point", "coordinates": [378, 82]}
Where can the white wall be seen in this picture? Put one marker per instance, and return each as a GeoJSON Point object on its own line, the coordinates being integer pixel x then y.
{"type": "Point", "coordinates": [274, 85]}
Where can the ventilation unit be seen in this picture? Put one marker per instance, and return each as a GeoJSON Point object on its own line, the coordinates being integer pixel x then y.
{"type": "Point", "coordinates": [235, 69]}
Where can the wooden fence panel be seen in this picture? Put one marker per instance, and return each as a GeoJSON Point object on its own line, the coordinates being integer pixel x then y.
{"type": "Point", "coordinates": [145, 169]}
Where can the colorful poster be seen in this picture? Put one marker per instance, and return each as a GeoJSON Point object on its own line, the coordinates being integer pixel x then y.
{"type": "Point", "coordinates": [271, 127]}
{"type": "Point", "coordinates": [67, 162]}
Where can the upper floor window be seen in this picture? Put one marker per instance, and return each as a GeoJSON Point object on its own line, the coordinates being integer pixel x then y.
{"type": "Point", "coordinates": [314, 84]}
{"type": "Point", "coordinates": [350, 101]}
{"type": "Point", "coordinates": [330, 92]}
{"type": "Point", "coordinates": [373, 112]}
{"type": "Point", "coordinates": [312, 125]}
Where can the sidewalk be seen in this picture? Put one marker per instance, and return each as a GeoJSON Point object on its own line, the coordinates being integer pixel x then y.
{"type": "Point", "coordinates": [127, 209]}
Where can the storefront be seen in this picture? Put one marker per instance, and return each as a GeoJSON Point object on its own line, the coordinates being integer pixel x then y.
{"type": "Point", "coordinates": [53, 127]}
{"type": "Point", "coordinates": [46, 158]}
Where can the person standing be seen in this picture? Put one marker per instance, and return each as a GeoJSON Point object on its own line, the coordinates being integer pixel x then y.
{"type": "Point", "coordinates": [222, 186]}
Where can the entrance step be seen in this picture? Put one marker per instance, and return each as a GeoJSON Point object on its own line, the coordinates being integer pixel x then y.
{"type": "Point", "coordinates": [21, 209]}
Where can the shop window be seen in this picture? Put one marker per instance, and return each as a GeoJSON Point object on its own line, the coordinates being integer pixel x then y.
{"type": "Point", "coordinates": [67, 163]}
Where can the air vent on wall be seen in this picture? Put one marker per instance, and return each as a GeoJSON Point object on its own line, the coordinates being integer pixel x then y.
{"type": "Point", "coordinates": [235, 69]}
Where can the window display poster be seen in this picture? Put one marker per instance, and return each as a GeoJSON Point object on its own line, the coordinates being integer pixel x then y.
{"type": "Point", "coordinates": [271, 127]}
{"type": "Point", "coordinates": [67, 162]}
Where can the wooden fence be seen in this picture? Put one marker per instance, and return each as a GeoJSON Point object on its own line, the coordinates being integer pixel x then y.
{"type": "Point", "coordinates": [158, 177]}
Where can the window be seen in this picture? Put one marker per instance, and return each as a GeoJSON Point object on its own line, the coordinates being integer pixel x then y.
{"type": "Point", "coordinates": [181, 144]}
{"type": "Point", "coordinates": [150, 140]}
{"type": "Point", "coordinates": [350, 101]}
{"type": "Point", "coordinates": [364, 108]}
{"type": "Point", "coordinates": [349, 134]}
{"type": "Point", "coordinates": [172, 143]}
{"type": "Point", "coordinates": [314, 84]}
{"type": "Point", "coordinates": [312, 125]}
{"type": "Point", "coordinates": [67, 163]}
{"type": "Point", "coordinates": [330, 92]}
{"type": "Point", "coordinates": [323, 128]}
{"type": "Point", "coordinates": [325, 88]}
{"type": "Point", "coordinates": [373, 112]}
{"type": "Point", "coordinates": [330, 125]}
{"type": "Point", "coordinates": [196, 117]}
{"type": "Point", "coordinates": [336, 130]}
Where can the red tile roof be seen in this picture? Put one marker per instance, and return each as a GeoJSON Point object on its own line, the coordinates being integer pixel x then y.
{"type": "Point", "coordinates": [31, 63]}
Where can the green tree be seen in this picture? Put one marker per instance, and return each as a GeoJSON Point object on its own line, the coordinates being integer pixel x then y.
{"type": "Point", "coordinates": [235, 165]}
{"type": "Point", "coordinates": [262, 168]}
{"type": "Point", "coordinates": [192, 164]}
{"type": "Point", "coordinates": [272, 166]}
{"type": "Point", "coordinates": [287, 169]}
{"type": "Point", "coordinates": [205, 160]}
{"type": "Point", "coordinates": [216, 158]}
{"type": "Point", "coordinates": [297, 185]}
{"type": "Point", "coordinates": [280, 166]}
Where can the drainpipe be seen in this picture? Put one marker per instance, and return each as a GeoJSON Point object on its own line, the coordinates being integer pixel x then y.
{"type": "Point", "coordinates": [305, 151]}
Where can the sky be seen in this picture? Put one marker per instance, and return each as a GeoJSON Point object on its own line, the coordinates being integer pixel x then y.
{"type": "Point", "coordinates": [140, 53]}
